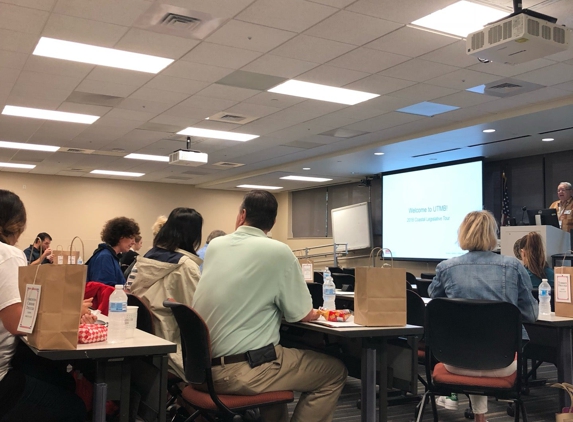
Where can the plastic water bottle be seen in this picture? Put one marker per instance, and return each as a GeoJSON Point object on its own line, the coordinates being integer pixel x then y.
{"type": "Point", "coordinates": [328, 291]}
{"type": "Point", "coordinates": [544, 298]}
{"type": "Point", "coordinates": [117, 316]}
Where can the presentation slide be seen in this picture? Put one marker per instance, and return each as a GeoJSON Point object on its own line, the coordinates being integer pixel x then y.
{"type": "Point", "coordinates": [423, 209]}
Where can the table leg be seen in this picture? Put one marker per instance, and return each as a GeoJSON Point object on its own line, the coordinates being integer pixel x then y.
{"type": "Point", "coordinates": [565, 364]}
{"type": "Point", "coordinates": [368, 381]}
{"type": "Point", "coordinates": [383, 382]}
{"type": "Point", "coordinates": [162, 387]}
{"type": "Point", "coordinates": [100, 397]}
{"type": "Point", "coordinates": [125, 391]}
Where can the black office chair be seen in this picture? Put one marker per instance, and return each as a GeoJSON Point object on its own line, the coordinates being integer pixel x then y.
{"type": "Point", "coordinates": [144, 315]}
{"type": "Point", "coordinates": [427, 276]}
{"type": "Point", "coordinates": [315, 290]}
{"type": "Point", "coordinates": [343, 281]}
{"type": "Point", "coordinates": [351, 271]}
{"type": "Point", "coordinates": [472, 334]}
{"type": "Point", "coordinates": [411, 278]}
{"type": "Point", "coordinates": [422, 287]}
{"type": "Point", "coordinates": [318, 278]}
{"type": "Point", "coordinates": [196, 346]}
{"type": "Point", "coordinates": [416, 315]}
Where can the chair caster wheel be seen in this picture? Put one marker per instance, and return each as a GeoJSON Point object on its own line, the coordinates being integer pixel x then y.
{"type": "Point", "coordinates": [510, 410]}
{"type": "Point", "coordinates": [468, 413]}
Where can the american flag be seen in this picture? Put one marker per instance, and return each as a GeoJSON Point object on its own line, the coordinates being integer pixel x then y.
{"type": "Point", "coordinates": [505, 212]}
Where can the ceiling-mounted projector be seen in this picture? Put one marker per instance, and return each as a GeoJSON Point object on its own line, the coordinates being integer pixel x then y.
{"type": "Point", "coordinates": [517, 39]}
{"type": "Point", "coordinates": [186, 157]}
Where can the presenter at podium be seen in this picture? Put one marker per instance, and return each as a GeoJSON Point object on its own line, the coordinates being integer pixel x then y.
{"type": "Point", "coordinates": [564, 206]}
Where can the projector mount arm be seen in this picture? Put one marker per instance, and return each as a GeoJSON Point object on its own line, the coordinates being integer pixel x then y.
{"type": "Point", "coordinates": [518, 10]}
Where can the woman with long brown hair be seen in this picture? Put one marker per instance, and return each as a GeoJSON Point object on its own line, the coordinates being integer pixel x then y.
{"type": "Point", "coordinates": [533, 257]}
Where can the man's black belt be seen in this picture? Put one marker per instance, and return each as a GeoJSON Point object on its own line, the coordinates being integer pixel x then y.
{"type": "Point", "coordinates": [229, 359]}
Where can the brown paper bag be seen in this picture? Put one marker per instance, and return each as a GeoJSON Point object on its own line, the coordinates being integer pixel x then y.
{"type": "Point", "coordinates": [567, 412]}
{"type": "Point", "coordinates": [564, 309]}
{"type": "Point", "coordinates": [380, 296]}
{"type": "Point", "coordinates": [62, 257]}
{"type": "Point", "coordinates": [61, 297]}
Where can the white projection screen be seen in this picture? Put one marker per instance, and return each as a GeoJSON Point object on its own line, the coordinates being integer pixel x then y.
{"type": "Point", "coordinates": [422, 209]}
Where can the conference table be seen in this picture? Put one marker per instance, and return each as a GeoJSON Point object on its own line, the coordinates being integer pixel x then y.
{"type": "Point", "coordinates": [113, 363]}
{"type": "Point", "coordinates": [374, 355]}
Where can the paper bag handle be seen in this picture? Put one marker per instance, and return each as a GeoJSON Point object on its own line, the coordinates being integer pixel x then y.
{"type": "Point", "coordinates": [373, 257]}
{"type": "Point", "coordinates": [567, 387]}
{"type": "Point", "coordinates": [72, 244]}
{"type": "Point", "coordinates": [381, 252]}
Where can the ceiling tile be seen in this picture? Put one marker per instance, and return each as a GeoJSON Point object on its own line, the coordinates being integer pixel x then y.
{"type": "Point", "coordinates": [22, 19]}
{"type": "Point", "coordinates": [94, 110]}
{"type": "Point", "coordinates": [175, 121]}
{"type": "Point", "coordinates": [213, 125]}
{"type": "Point", "coordinates": [333, 76]}
{"type": "Point", "coordinates": [352, 28]}
{"type": "Point", "coordinates": [196, 71]}
{"type": "Point", "coordinates": [143, 105]}
{"type": "Point", "coordinates": [12, 59]}
{"type": "Point", "coordinates": [212, 105]}
{"type": "Point", "coordinates": [422, 92]}
{"type": "Point", "coordinates": [161, 45]}
{"type": "Point", "coordinates": [120, 13]}
{"type": "Point", "coordinates": [465, 99]}
{"type": "Point", "coordinates": [294, 15]}
{"type": "Point", "coordinates": [17, 41]}
{"type": "Point", "coordinates": [83, 30]}
{"type": "Point", "coordinates": [249, 36]}
{"type": "Point", "coordinates": [567, 86]}
{"type": "Point", "coordinates": [58, 67]}
{"type": "Point", "coordinates": [119, 76]}
{"type": "Point", "coordinates": [507, 70]}
{"type": "Point", "coordinates": [217, 8]}
{"type": "Point", "coordinates": [374, 107]}
{"type": "Point", "coordinates": [18, 129]}
{"type": "Point", "coordinates": [62, 82]}
{"type": "Point", "coordinates": [452, 54]}
{"type": "Point", "coordinates": [379, 84]}
{"type": "Point", "coordinates": [38, 91]}
{"type": "Point", "coordinates": [220, 55]}
{"type": "Point", "coordinates": [227, 92]}
{"type": "Point", "coordinates": [56, 133]}
{"type": "Point", "coordinates": [340, 4]}
{"type": "Point", "coordinates": [279, 66]}
{"type": "Point", "coordinates": [168, 97]}
{"type": "Point", "coordinates": [106, 88]}
{"type": "Point", "coordinates": [462, 79]}
{"type": "Point", "coordinates": [124, 114]}
{"type": "Point", "coordinates": [384, 121]}
{"type": "Point", "coordinates": [399, 11]}
{"type": "Point", "coordinates": [551, 75]}
{"type": "Point", "coordinates": [189, 114]}
{"type": "Point", "coordinates": [418, 70]}
{"type": "Point", "coordinates": [170, 83]}
{"type": "Point", "coordinates": [368, 60]}
{"type": "Point", "coordinates": [32, 100]}
{"type": "Point", "coordinates": [252, 110]}
{"type": "Point", "coordinates": [410, 42]}
{"type": "Point", "coordinates": [312, 49]}
{"type": "Point", "coordinates": [9, 75]}
{"type": "Point", "coordinates": [271, 99]}
{"type": "Point", "coordinates": [120, 123]}
{"type": "Point", "coordinates": [465, 114]}
{"type": "Point", "coordinates": [46, 5]}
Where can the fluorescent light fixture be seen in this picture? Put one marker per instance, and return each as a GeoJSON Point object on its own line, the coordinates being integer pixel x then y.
{"type": "Point", "coordinates": [306, 168]}
{"type": "Point", "coordinates": [306, 179]}
{"type": "Point", "coordinates": [38, 113]}
{"type": "Point", "coordinates": [217, 134]}
{"type": "Point", "coordinates": [85, 53]}
{"type": "Point", "coordinates": [17, 166]}
{"type": "Point", "coordinates": [427, 108]}
{"type": "Point", "coordinates": [488, 130]}
{"type": "Point", "coordinates": [479, 89]}
{"type": "Point", "coordinates": [117, 173]}
{"type": "Point", "coordinates": [148, 157]}
{"type": "Point", "coordinates": [461, 18]}
{"type": "Point", "coordinates": [322, 92]}
{"type": "Point", "coordinates": [378, 153]}
{"type": "Point", "coordinates": [548, 139]}
{"type": "Point", "coordinates": [259, 187]}
{"type": "Point", "coordinates": [29, 147]}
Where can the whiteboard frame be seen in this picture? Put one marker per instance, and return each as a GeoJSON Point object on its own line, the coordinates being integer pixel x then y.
{"type": "Point", "coordinates": [364, 240]}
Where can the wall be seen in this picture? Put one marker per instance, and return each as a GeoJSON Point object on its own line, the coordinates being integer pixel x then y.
{"type": "Point", "coordinates": [68, 206]}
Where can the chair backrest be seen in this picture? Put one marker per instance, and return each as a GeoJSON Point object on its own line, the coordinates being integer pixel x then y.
{"type": "Point", "coordinates": [427, 276]}
{"type": "Point", "coordinates": [422, 287]}
{"type": "Point", "coordinates": [416, 309]}
{"type": "Point", "coordinates": [411, 278]}
{"type": "Point", "coordinates": [144, 315]}
{"type": "Point", "coordinates": [341, 279]}
{"type": "Point", "coordinates": [351, 271]}
{"type": "Point", "coordinates": [195, 342]}
{"type": "Point", "coordinates": [473, 334]}
{"type": "Point", "coordinates": [318, 277]}
{"type": "Point", "coordinates": [315, 290]}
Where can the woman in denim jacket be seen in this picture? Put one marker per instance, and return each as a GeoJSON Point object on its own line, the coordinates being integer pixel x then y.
{"type": "Point", "coordinates": [482, 274]}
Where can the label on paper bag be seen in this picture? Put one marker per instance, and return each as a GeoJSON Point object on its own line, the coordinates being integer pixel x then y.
{"type": "Point", "coordinates": [308, 272]}
{"type": "Point", "coordinates": [60, 259]}
{"type": "Point", "coordinates": [30, 308]}
{"type": "Point", "coordinates": [562, 288]}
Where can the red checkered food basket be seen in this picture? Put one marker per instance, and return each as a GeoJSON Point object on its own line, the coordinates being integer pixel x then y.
{"type": "Point", "coordinates": [92, 333]}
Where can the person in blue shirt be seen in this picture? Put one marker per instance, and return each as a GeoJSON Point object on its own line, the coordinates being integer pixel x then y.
{"type": "Point", "coordinates": [118, 236]}
{"type": "Point", "coordinates": [212, 235]}
{"type": "Point", "coordinates": [533, 257]}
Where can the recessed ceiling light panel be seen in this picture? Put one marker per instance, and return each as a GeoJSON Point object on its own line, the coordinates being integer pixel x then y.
{"type": "Point", "coordinates": [259, 187]}
{"type": "Point", "coordinates": [548, 139]}
{"type": "Point", "coordinates": [378, 153]}
{"type": "Point", "coordinates": [217, 134]}
{"type": "Point", "coordinates": [147, 157]}
{"type": "Point", "coordinates": [60, 116]}
{"type": "Point", "coordinates": [29, 147]}
{"type": "Point", "coordinates": [488, 130]}
{"type": "Point", "coordinates": [461, 18]}
{"type": "Point", "coordinates": [427, 108]}
{"type": "Point", "coordinates": [322, 92]}
{"type": "Point", "coordinates": [17, 166]}
{"type": "Point", "coordinates": [117, 173]}
{"type": "Point", "coordinates": [306, 178]}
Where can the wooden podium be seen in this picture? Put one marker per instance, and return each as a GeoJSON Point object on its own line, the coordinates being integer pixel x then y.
{"type": "Point", "coordinates": [554, 240]}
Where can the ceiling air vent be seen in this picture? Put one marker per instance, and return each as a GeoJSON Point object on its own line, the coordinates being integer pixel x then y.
{"type": "Point", "coordinates": [174, 20]}
{"type": "Point", "coordinates": [76, 150]}
{"type": "Point", "coordinates": [227, 164]}
{"type": "Point", "coordinates": [509, 87]}
{"type": "Point", "coordinates": [237, 119]}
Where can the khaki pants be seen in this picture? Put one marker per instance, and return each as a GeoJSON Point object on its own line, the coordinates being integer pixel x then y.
{"type": "Point", "coordinates": [320, 379]}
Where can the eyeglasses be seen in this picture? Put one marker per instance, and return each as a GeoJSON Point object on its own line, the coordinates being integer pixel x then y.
{"type": "Point", "coordinates": [562, 190]}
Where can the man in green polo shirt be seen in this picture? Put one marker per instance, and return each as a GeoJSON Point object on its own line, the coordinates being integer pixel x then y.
{"type": "Point", "coordinates": [249, 283]}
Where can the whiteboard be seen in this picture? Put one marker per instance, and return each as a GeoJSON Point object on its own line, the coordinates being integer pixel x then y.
{"type": "Point", "coordinates": [352, 225]}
